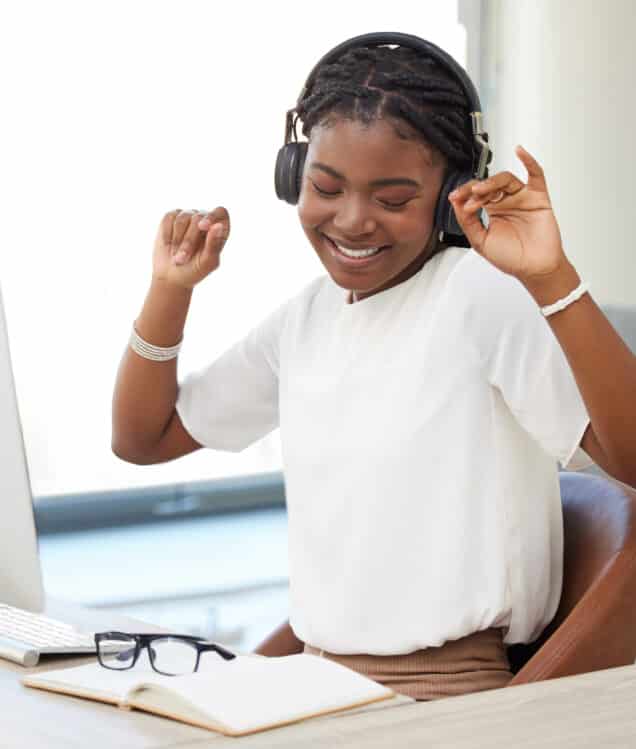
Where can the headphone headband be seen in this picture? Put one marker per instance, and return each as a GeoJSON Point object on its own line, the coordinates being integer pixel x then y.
{"type": "Point", "coordinates": [482, 150]}
{"type": "Point", "coordinates": [381, 38]}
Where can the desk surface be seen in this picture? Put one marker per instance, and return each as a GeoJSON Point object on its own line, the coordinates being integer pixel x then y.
{"type": "Point", "coordinates": [590, 710]}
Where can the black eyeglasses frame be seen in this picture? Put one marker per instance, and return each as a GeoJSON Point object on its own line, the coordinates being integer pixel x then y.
{"type": "Point", "coordinates": [143, 641]}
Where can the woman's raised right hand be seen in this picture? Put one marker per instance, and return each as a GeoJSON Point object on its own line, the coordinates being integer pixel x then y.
{"type": "Point", "coordinates": [188, 245]}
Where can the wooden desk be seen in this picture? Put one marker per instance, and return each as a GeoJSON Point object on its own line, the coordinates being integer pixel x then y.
{"type": "Point", "coordinates": [591, 710]}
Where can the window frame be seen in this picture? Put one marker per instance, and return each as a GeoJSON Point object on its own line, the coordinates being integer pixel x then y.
{"type": "Point", "coordinates": [65, 513]}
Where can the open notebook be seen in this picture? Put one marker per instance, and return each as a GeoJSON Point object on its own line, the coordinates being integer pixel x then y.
{"type": "Point", "coordinates": [237, 697]}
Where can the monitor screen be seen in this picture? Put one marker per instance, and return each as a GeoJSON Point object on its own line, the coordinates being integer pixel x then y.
{"type": "Point", "coordinates": [20, 575]}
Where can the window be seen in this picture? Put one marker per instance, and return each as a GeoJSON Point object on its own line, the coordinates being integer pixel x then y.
{"type": "Point", "coordinates": [114, 114]}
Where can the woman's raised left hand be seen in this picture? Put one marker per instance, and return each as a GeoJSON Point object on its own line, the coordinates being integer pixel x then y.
{"type": "Point", "coordinates": [522, 237]}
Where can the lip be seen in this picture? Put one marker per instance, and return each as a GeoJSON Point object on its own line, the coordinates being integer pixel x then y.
{"type": "Point", "coordinates": [351, 262]}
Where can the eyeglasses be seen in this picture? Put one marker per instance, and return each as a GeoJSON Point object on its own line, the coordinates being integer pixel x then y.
{"type": "Point", "coordinates": [170, 655]}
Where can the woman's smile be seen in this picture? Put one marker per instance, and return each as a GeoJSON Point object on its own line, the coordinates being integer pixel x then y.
{"type": "Point", "coordinates": [353, 256]}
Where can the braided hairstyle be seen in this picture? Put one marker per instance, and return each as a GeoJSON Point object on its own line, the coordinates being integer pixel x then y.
{"type": "Point", "coordinates": [368, 83]}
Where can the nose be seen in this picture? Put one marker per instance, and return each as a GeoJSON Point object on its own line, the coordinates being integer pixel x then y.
{"type": "Point", "coordinates": [353, 217]}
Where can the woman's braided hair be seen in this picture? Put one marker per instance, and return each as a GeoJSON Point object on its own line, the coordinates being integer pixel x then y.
{"type": "Point", "coordinates": [367, 83]}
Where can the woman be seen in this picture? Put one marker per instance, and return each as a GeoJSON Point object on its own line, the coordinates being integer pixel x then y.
{"type": "Point", "coordinates": [423, 397]}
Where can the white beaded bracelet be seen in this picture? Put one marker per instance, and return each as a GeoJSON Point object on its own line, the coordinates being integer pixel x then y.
{"type": "Point", "coordinates": [560, 304]}
{"type": "Point", "coordinates": [150, 351]}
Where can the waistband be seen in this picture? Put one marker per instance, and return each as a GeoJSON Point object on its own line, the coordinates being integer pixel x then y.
{"type": "Point", "coordinates": [473, 663]}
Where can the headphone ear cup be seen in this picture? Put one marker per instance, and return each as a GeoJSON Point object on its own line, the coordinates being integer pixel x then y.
{"type": "Point", "coordinates": [445, 219]}
{"type": "Point", "coordinates": [288, 173]}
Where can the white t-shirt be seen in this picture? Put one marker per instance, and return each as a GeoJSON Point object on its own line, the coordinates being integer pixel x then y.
{"type": "Point", "coordinates": [420, 429]}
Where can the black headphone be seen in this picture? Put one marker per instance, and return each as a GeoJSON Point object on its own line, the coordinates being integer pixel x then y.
{"type": "Point", "coordinates": [291, 157]}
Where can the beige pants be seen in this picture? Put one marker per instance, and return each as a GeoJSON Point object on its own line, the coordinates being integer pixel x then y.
{"type": "Point", "coordinates": [471, 664]}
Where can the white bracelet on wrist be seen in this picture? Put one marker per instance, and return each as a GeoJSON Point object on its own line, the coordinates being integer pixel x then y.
{"type": "Point", "coordinates": [561, 304]}
{"type": "Point", "coordinates": [150, 351]}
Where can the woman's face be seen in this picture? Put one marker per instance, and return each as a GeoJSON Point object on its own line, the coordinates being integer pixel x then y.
{"type": "Point", "coordinates": [367, 203]}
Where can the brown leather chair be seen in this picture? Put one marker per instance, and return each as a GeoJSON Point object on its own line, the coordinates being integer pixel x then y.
{"type": "Point", "coordinates": [595, 625]}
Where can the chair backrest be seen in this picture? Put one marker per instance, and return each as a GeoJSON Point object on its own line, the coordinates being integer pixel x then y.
{"type": "Point", "coordinates": [595, 624]}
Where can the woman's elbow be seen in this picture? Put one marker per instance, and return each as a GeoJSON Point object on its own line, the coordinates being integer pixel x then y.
{"type": "Point", "coordinates": [131, 454]}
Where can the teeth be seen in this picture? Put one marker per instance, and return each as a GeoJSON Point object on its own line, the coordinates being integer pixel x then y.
{"type": "Point", "coordinates": [357, 253]}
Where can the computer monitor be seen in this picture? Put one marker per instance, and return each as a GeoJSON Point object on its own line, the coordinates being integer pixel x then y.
{"type": "Point", "coordinates": [20, 572]}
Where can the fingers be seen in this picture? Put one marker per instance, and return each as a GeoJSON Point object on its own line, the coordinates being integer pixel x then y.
{"type": "Point", "coordinates": [179, 226]}
{"type": "Point", "coordinates": [536, 177]}
{"type": "Point", "coordinates": [503, 195]}
{"type": "Point", "coordinates": [190, 230]}
{"type": "Point", "coordinates": [185, 235]}
{"type": "Point", "coordinates": [165, 229]}
{"type": "Point", "coordinates": [496, 188]}
{"type": "Point", "coordinates": [217, 234]}
{"type": "Point", "coordinates": [214, 242]}
{"type": "Point", "coordinates": [493, 190]}
{"type": "Point", "coordinates": [213, 229]}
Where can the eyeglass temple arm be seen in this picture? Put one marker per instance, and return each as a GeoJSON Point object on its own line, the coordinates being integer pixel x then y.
{"type": "Point", "coordinates": [225, 654]}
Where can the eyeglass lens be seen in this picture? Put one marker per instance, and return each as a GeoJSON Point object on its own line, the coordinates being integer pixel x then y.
{"type": "Point", "coordinates": [173, 656]}
{"type": "Point", "coordinates": [117, 651]}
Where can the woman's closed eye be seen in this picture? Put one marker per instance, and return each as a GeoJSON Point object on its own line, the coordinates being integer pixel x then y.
{"type": "Point", "coordinates": [398, 197]}
{"type": "Point", "coordinates": [326, 193]}
{"type": "Point", "coordinates": [394, 203]}
{"type": "Point", "coordinates": [391, 204]}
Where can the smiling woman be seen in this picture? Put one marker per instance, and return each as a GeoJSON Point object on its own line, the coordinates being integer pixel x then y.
{"type": "Point", "coordinates": [420, 439]}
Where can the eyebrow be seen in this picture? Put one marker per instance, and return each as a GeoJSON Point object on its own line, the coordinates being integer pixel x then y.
{"type": "Point", "coordinates": [376, 182]}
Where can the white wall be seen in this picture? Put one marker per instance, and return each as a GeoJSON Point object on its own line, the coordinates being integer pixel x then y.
{"type": "Point", "coordinates": [114, 113]}
{"type": "Point", "coordinates": [557, 76]}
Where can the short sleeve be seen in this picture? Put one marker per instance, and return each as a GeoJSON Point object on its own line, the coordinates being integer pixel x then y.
{"type": "Point", "coordinates": [523, 359]}
{"type": "Point", "coordinates": [233, 402]}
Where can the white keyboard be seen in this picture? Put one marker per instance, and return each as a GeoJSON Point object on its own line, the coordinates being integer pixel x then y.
{"type": "Point", "coordinates": [24, 636]}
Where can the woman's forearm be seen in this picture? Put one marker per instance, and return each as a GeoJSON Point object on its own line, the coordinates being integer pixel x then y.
{"type": "Point", "coordinates": [604, 369]}
{"type": "Point", "coordinates": [146, 391]}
